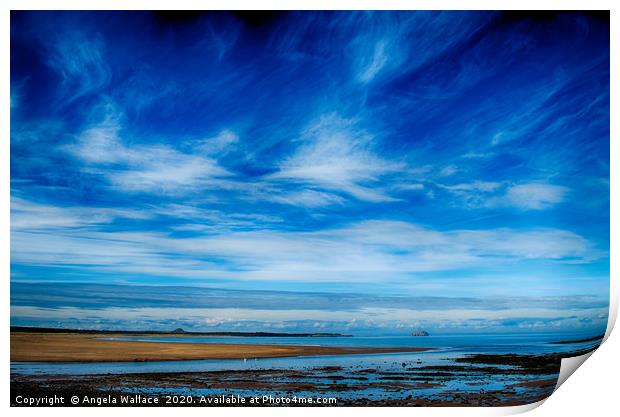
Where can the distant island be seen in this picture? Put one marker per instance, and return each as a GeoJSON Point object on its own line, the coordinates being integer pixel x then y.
{"type": "Point", "coordinates": [420, 333]}
{"type": "Point", "coordinates": [178, 331]}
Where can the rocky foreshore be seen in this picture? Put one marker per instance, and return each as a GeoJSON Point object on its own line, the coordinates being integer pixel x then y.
{"type": "Point", "coordinates": [524, 379]}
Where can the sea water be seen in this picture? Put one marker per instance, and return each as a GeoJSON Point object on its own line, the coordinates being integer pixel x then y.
{"type": "Point", "coordinates": [445, 348]}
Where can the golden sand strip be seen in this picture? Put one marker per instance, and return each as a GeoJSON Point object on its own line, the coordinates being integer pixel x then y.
{"type": "Point", "coordinates": [74, 347]}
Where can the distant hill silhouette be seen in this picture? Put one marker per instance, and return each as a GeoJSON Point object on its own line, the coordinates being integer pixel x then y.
{"type": "Point", "coordinates": [24, 329]}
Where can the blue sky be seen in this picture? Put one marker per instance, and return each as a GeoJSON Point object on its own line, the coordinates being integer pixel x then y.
{"type": "Point", "coordinates": [339, 170]}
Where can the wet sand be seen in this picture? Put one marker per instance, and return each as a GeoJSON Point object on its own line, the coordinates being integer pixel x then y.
{"type": "Point", "coordinates": [74, 347]}
{"type": "Point", "coordinates": [351, 386]}
{"type": "Point", "coordinates": [467, 380]}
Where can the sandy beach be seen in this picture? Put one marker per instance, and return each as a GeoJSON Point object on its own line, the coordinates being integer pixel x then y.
{"type": "Point", "coordinates": [74, 347]}
{"type": "Point", "coordinates": [466, 379]}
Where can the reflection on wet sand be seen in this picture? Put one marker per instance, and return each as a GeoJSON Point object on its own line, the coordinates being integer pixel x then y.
{"type": "Point", "coordinates": [487, 380]}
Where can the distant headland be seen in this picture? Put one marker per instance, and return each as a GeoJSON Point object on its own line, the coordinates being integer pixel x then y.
{"type": "Point", "coordinates": [176, 332]}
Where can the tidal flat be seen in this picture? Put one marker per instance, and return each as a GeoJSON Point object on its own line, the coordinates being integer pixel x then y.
{"type": "Point", "coordinates": [473, 380]}
{"type": "Point", "coordinates": [76, 347]}
{"type": "Point", "coordinates": [447, 371]}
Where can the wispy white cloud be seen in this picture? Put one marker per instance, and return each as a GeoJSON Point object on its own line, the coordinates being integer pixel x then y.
{"type": "Point", "coordinates": [27, 215]}
{"type": "Point", "coordinates": [387, 45]}
{"type": "Point", "coordinates": [335, 154]}
{"type": "Point", "coordinates": [199, 219]}
{"type": "Point", "coordinates": [354, 253]}
{"type": "Point", "coordinates": [222, 143]}
{"type": "Point", "coordinates": [409, 186]}
{"type": "Point", "coordinates": [150, 168]}
{"type": "Point", "coordinates": [307, 198]}
{"type": "Point", "coordinates": [375, 62]}
{"type": "Point", "coordinates": [477, 155]}
{"type": "Point", "coordinates": [482, 186]}
{"type": "Point", "coordinates": [475, 194]}
{"type": "Point", "coordinates": [531, 196]}
{"type": "Point", "coordinates": [81, 63]}
{"type": "Point", "coordinates": [448, 170]}
{"type": "Point", "coordinates": [490, 194]}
